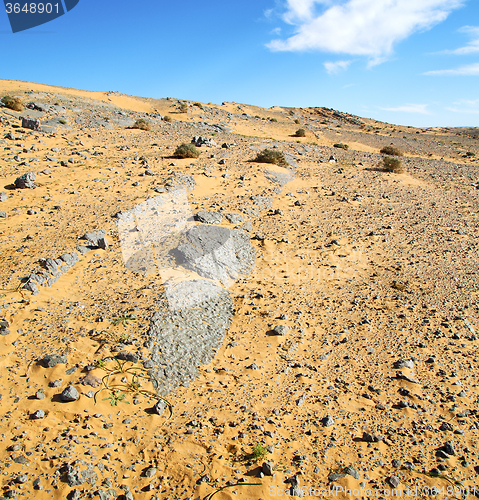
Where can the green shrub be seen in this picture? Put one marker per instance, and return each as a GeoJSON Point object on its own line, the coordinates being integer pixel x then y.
{"type": "Point", "coordinates": [392, 165]}
{"type": "Point", "coordinates": [271, 156]}
{"type": "Point", "coordinates": [341, 145]}
{"type": "Point", "coordinates": [167, 118]}
{"type": "Point", "coordinates": [300, 132]}
{"type": "Point", "coordinates": [187, 151]}
{"type": "Point", "coordinates": [62, 121]}
{"type": "Point", "coordinates": [13, 103]}
{"type": "Point", "coordinates": [274, 120]}
{"type": "Point", "coordinates": [391, 150]}
{"type": "Point", "coordinates": [142, 124]}
{"type": "Point", "coordinates": [198, 105]}
{"type": "Point", "coordinates": [184, 108]}
{"type": "Point", "coordinates": [470, 154]}
{"type": "Point", "coordinates": [297, 121]}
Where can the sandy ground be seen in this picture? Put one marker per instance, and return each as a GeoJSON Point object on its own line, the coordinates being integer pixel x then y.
{"type": "Point", "coordinates": [366, 268]}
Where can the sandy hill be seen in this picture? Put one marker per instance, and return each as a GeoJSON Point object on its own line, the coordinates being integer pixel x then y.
{"type": "Point", "coordinates": [173, 328]}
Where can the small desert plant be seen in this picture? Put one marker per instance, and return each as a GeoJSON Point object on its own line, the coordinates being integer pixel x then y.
{"type": "Point", "coordinates": [271, 156]}
{"type": "Point", "coordinates": [62, 121]}
{"type": "Point", "coordinates": [184, 108]}
{"type": "Point", "coordinates": [300, 132]}
{"type": "Point", "coordinates": [167, 118]}
{"type": "Point", "coordinates": [259, 453]}
{"type": "Point", "coordinates": [198, 105]}
{"type": "Point", "coordinates": [13, 103]}
{"type": "Point", "coordinates": [297, 121]}
{"type": "Point", "coordinates": [470, 154]}
{"type": "Point", "coordinates": [187, 151]}
{"type": "Point", "coordinates": [124, 319]}
{"type": "Point", "coordinates": [391, 150]}
{"type": "Point", "coordinates": [274, 120]}
{"type": "Point", "coordinates": [341, 145]}
{"type": "Point", "coordinates": [142, 124]}
{"type": "Point", "coordinates": [392, 165]}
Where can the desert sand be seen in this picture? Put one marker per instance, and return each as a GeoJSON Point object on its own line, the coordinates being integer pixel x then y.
{"type": "Point", "coordinates": [373, 386]}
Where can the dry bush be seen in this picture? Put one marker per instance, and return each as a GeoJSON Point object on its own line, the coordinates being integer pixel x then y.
{"type": "Point", "coordinates": [184, 108]}
{"type": "Point", "coordinates": [391, 150]}
{"type": "Point", "coordinates": [271, 156]}
{"type": "Point", "coordinates": [187, 151]}
{"type": "Point", "coordinates": [341, 145]}
{"type": "Point", "coordinates": [13, 103]}
{"type": "Point", "coordinates": [142, 124]}
{"type": "Point", "coordinates": [300, 132]}
{"type": "Point", "coordinates": [167, 118]}
{"type": "Point", "coordinates": [392, 165]}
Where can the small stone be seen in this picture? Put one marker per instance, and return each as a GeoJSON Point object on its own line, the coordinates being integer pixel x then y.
{"type": "Point", "coordinates": [3, 196]}
{"type": "Point", "coordinates": [37, 415]}
{"type": "Point", "coordinates": [267, 468]}
{"type": "Point", "coordinates": [449, 449]}
{"type": "Point", "coordinates": [327, 421]}
{"type": "Point", "coordinates": [69, 394]}
{"type": "Point", "coordinates": [207, 217]}
{"type": "Point", "coordinates": [350, 470]}
{"type": "Point", "coordinates": [3, 215]}
{"type": "Point", "coordinates": [97, 239]}
{"type": "Point", "coordinates": [393, 481]}
{"type": "Point", "coordinates": [404, 363]}
{"type": "Point", "coordinates": [150, 472]}
{"type": "Point", "coordinates": [281, 329]}
{"type": "Point", "coordinates": [160, 407]}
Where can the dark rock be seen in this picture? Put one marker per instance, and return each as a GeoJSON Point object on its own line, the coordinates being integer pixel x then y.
{"type": "Point", "coordinates": [127, 356]}
{"type": "Point", "coordinates": [268, 468]}
{"type": "Point", "coordinates": [404, 363]}
{"type": "Point", "coordinates": [394, 481]}
{"type": "Point", "coordinates": [26, 181]}
{"type": "Point", "coordinates": [51, 360]}
{"type": "Point", "coordinates": [69, 394]}
{"type": "Point", "coordinates": [30, 123]}
{"type": "Point", "coordinates": [327, 421]}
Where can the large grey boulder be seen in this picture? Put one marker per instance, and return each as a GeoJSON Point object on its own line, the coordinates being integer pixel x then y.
{"type": "Point", "coordinates": [217, 253]}
{"type": "Point", "coordinates": [203, 141]}
{"type": "Point", "coordinates": [26, 181]}
{"type": "Point", "coordinates": [189, 325]}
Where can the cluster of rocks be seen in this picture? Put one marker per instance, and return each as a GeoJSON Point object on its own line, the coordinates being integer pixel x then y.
{"type": "Point", "coordinates": [52, 269]}
{"type": "Point", "coordinates": [203, 141]}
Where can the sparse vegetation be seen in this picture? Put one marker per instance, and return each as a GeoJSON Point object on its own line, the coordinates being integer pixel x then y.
{"type": "Point", "coordinates": [167, 118]}
{"type": "Point", "coordinates": [13, 103]}
{"type": "Point", "coordinates": [394, 165]}
{"type": "Point", "coordinates": [187, 151]}
{"type": "Point", "coordinates": [470, 154]}
{"type": "Point", "coordinates": [300, 132]}
{"type": "Point", "coordinates": [271, 156]}
{"type": "Point", "coordinates": [341, 145]}
{"type": "Point", "coordinates": [142, 124]}
{"type": "Point", "coordinates": [123, 319]}
{"type": "Point", "coordinates": [198, 105]}
{"type": "Point", "coordinates": [297, 121]}
{"type": "Point", "coordinates": [391, 150]}
{"type": "Point", "coordinates": [274, 120]}
{"type": "Point", "coordinates": [259, 453]}
{"type": "Point", "coordinates": [62, 121]}
{"type": "Point", "coordinates": [184, 108]}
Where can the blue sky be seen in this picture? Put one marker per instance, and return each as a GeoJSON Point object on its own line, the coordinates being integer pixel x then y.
{"type": "Point", "coordinates": [409, 62]}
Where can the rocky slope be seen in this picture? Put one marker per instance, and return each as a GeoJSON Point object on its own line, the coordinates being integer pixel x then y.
{"type": "Point", "coordinates": [322, 335]}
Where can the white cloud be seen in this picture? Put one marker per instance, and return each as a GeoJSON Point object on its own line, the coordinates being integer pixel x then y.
{"type": "Point", "coordinates": [468, 70]}
{"type": "Point", "coordinates": [410, 108]}
{"type": "Point", "coordinates": [465, 106]}
{"type": "Point", "coordinates": [359, 27]}
{"type": "Point", "coordinates": [336, 67]}
{"type": "Point", "coordinates": [472, 47]}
